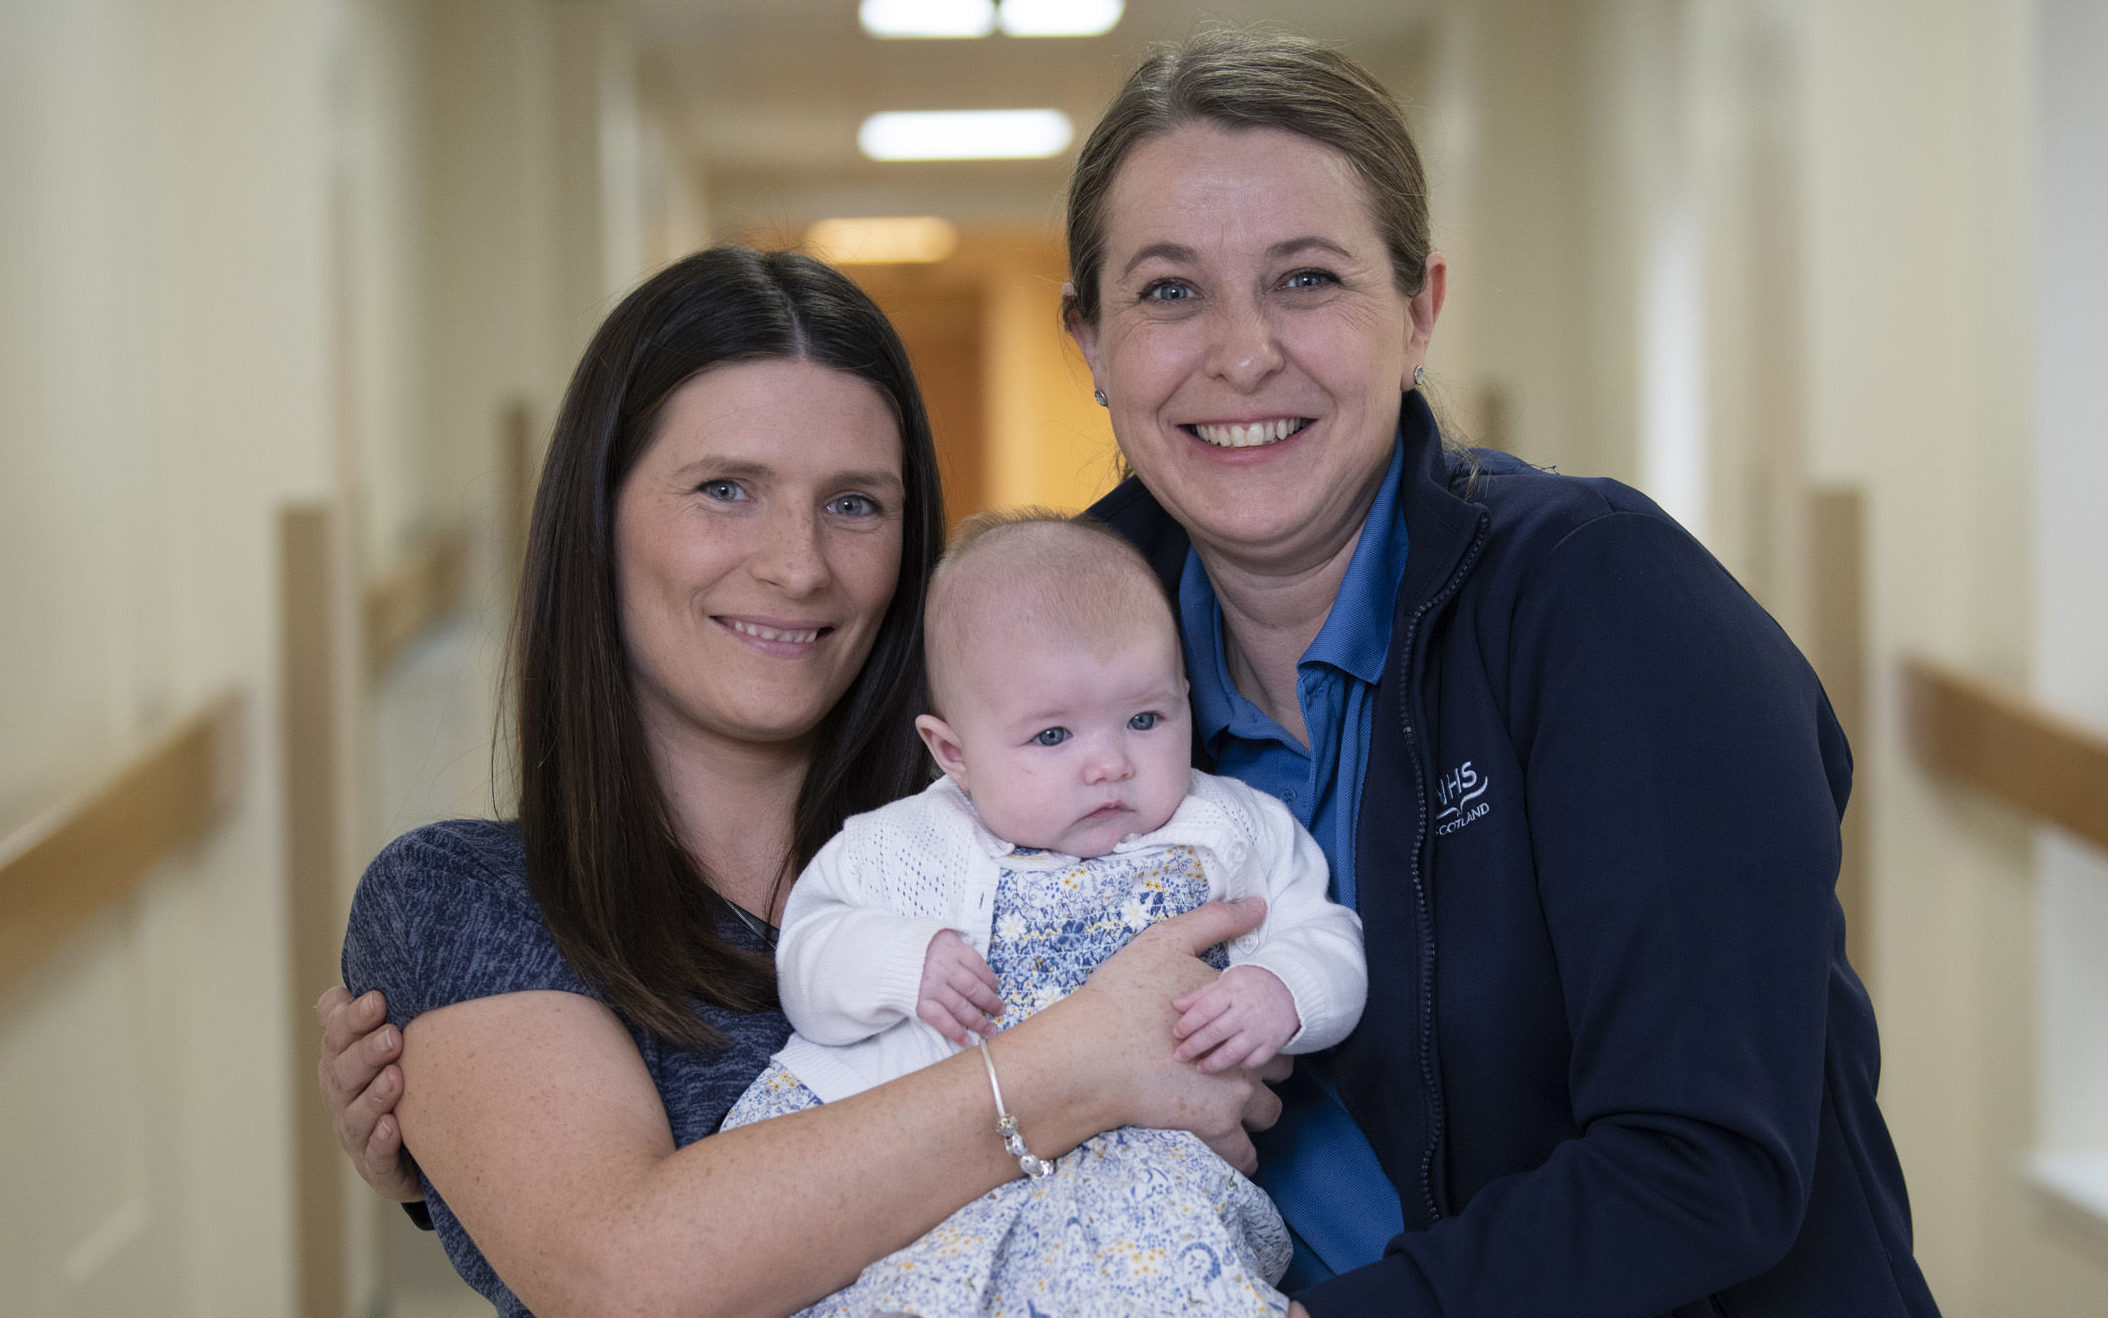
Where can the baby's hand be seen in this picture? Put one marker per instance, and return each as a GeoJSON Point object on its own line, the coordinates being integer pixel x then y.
{"type": "Point", "coordinates": [1241, 1019]}
{"type": "Point", "coordinates": [959, 993]}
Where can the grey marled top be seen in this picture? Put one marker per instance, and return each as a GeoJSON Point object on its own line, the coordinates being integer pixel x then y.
{"type": "Point", "coordinates": [443, 915]}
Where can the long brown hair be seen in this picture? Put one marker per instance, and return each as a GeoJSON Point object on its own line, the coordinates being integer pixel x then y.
{"type": "Point", "coordinates": [631, 909]}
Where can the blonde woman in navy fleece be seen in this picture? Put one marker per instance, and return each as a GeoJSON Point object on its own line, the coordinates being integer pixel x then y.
{"type": "Point", "coordinates": [1582, 791]}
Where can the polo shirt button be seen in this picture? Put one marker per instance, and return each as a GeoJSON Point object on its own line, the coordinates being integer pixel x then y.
{"type": "Point", "coordinates": [1245, 943]}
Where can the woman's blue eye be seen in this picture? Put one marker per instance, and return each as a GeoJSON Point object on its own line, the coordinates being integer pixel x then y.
{"type": "Point", "coordinates": [1167, 290]}
{"type": "Point", "coordinates": [1052, 737]}
{"type": "Point", "coordinates": [1311, 279]}
{"type": "Point", "coordinates": [1143, 722]}
{"type": "Point", "coordinates": [853, 505]}
{"type": "Point", "coordinates": [722, 491]}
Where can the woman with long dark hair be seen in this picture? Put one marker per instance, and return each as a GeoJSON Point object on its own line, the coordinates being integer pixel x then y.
{"type": "Point", "coordinates": [718, 661]}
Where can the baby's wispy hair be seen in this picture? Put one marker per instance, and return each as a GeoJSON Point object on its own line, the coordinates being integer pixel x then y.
{"type": "Point", "coordinates": [1035, 567]}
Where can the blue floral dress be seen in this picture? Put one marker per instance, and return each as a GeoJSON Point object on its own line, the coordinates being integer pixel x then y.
{"type": "Point", "coordinates": [1132, 1221]}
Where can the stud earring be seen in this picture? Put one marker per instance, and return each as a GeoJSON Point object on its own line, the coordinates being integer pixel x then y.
{"type": "Point", "coordinates": [1099, 394]}
{"type": "Point", "coordinates": [1419, 376]}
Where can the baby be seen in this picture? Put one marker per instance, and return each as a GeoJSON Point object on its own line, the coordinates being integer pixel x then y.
{"type": "Point", "coordinates": [1068, 819]}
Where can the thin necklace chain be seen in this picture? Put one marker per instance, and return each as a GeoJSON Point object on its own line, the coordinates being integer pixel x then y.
{"type": "Point", "coordinates": [760, 928]}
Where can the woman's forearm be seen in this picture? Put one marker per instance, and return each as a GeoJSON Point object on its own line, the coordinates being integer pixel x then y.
{"type": "Point", "coordinates": [535, 1118]}
{"type": "Point", "coordinates": [823, 1192]}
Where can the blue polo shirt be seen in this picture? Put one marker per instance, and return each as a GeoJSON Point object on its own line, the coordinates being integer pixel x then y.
{"type": "Point", "coordinates": [1316, 1163]}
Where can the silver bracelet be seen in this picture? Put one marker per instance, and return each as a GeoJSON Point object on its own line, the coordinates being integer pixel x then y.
{"type": "Point", "coordinates": [1006, 1126]}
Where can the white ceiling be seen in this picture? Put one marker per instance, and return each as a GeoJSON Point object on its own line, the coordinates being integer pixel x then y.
{"type": "Point", "coordinates": [765, 96]}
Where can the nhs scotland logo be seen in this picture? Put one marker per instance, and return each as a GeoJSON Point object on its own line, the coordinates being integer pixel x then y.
{"type": "Point", "coordinates": [1459, 792]}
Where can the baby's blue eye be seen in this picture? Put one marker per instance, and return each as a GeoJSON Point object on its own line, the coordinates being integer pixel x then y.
{"type": "Point", "coordinates": [1144, 722]}
{"type": "Point", "coordinates": [1052, 737]}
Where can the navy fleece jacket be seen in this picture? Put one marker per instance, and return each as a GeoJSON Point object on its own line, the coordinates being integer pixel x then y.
{"type": "Point", "coordinates": [1613, 1057]}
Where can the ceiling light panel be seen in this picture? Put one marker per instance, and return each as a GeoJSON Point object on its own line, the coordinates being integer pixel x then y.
{"type": "Point", "coordinates": [927, 18]}
{"type": "Point", "coordinates": [965, 134]}
{"type": "Point", "coordinates": [1060, 18]}
{"type": "Point", "coordinates": [883, 240]}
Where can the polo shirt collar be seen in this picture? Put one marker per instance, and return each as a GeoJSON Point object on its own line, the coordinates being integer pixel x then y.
{"type": "Point", "coordinates": [1355, 639]}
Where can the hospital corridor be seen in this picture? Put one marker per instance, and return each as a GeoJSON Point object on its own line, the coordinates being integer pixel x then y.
{"type": "Point", "coordinates": [291, 292]}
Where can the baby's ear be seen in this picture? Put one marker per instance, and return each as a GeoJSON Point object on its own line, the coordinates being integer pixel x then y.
{"type": "Point", "coordinates": [944, 748]}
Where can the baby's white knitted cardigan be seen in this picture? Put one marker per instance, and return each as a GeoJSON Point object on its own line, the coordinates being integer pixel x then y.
{"type": "Point", "coordinates": [861, 916]}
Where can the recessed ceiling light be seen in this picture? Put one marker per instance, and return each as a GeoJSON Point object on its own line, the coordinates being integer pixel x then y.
{"type": "Point", "coordinates": [927, 18]}
{"type": "Point", "coordinates": [965, 134]}
{"type": "Point", "coordinates": [882, 240]}
{"type": "Point", "coordinates": [1060, 18]}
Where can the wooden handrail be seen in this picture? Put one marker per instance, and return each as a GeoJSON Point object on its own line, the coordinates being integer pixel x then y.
{"type": "Point", "coordinates": [424, 585]}
{"type": "Point", "coordinates": [2047, 764]}
{"type": "Point", "coordinates": [69, 862]}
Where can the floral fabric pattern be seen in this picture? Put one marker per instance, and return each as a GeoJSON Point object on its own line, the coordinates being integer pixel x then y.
{"type": "Point", "coordinates": [1132, 1221]}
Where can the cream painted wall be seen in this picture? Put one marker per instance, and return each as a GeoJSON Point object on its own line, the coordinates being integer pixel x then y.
{"type": "Point", "coordinates": [596, 123]}
{"type": "Point", "coordinates": [1917, 139]}
{"type": "Point", "coordinates": [498, 210]}
{"type": "Point", "coordinates": [675, 214]}
{"type": "Point", "coordinates": [1742, 97]}
{"type": "Point", "coordinates": [382, 266]}
{"type": "Point", "coordinates": [253, 251]}
{"type": "Point", "coordinates": [1502, 136]}
{"type": "Point", "coordinates": [2071, 544]}
{"type": "Point", "coordinates": [1614, 185]}
{"type": "Point", "coordinates": [163, 385]}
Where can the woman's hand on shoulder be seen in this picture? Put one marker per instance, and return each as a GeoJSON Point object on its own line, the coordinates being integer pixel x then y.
{"type": "Point", "coordinates": [1128, 1000]}
{"type": "Point", "coordinates": [361, 1083]}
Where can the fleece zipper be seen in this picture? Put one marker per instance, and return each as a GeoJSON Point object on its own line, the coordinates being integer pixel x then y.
{"type": "Point", "coordinates": [1423, 905]}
